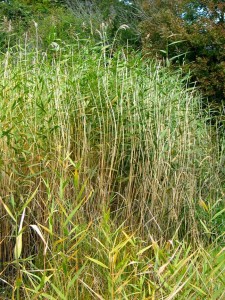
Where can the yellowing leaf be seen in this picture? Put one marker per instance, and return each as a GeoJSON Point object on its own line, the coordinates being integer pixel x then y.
{"type": "Point", "coordinates": [144, 249]}
{"type": "Point", "coordinates": [97, 262]}
{"type": "Point", "coordinates": [19, 241]}
{"type": "Point", "coordinates": [7, 209]}
{"type": "Point", "coordinates": [76, 179]}
{"type": "Point", "coordinates": [18, 246]}
{"type": "Point", "coordinates": [203, 205]}
{"type": "Point", "coordinates": [36, 228]}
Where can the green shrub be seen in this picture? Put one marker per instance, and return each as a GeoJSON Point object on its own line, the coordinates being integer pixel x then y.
{"type": "Point", "coordinates": [191, 33]}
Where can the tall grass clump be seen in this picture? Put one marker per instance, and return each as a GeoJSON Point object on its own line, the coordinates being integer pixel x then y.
{"type": "Point", "coordinates": [107, 165]}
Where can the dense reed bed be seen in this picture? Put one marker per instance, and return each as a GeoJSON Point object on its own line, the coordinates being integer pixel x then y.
{"type": "Point", "coordinates": [112, 180]}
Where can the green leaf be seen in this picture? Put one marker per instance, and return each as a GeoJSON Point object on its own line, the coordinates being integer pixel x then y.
{"type": "Point", "coordinates": [59, 293]}
{"type": "Point", "coordinates": [218, 214]}
{"type": "Point", "coordinates": [29, 199]}
{"type": "Point", "coordinates": [198, 289]}
{"type": "Point", "coordinates": [47, 296]}
{"type": "Point", "coordinates": [71, 282]}
{"type": "Point", "coordinates": [204, 226]}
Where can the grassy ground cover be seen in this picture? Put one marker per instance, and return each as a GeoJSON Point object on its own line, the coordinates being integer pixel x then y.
{"type": "Point", "coordinates": [112, 180]}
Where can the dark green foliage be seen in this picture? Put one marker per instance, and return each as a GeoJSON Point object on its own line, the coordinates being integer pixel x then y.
{"type": "Point", "coordinates": [199, 27]}
{"type": "Point", "coordinates": [42, 21]}
{"type": "Point", "coordinates": [14, 10]}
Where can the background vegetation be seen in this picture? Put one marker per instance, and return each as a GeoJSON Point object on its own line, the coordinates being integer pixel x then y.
{"type": "Point", "coordinates": [112, 171]}
{"type": "Point", "coordinates": [188, 33]}
{"type": "Point", "coordinates": [192, 33]}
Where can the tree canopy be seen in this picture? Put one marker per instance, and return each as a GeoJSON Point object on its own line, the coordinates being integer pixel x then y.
{"type": "Point", "coordinates": [191, 33]}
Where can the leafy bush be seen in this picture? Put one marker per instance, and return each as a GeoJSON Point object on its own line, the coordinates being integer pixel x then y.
{"type": "Point", "coordinates": [193, 34]}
